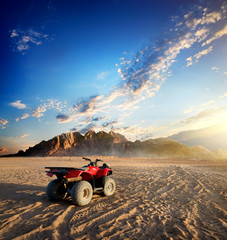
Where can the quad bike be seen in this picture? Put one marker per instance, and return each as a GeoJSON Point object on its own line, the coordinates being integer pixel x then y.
{"type": "Point", "coordinates": [80, 183]}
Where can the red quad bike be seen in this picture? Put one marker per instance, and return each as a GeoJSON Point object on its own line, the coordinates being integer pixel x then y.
{"type": "Point", "coordinates": [80, 183]}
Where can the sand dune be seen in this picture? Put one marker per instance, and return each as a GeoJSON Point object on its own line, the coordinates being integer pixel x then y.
{"type": "Point", "coordinates": [154, 199]}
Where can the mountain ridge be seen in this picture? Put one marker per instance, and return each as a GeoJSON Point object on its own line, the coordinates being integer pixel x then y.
{"type": "Point", "coordinates": [112, 143]}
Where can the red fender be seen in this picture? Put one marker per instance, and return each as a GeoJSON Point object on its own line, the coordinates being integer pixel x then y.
{"type": "Point", "coordinates": [73, 173]}
{"type": "Point", "coordinates": [86, 176]}
{"type": "Point", "coordinates": [103, 172]}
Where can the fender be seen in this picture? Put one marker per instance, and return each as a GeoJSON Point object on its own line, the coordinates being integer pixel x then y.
{"type": "Point", "coordinates": [73, 174]}
{"type": "Point", "coordinates": [80, 175]}
{"type": "Point", "coordinates": [103, 172]}
{"type": "Point", "coordinates": [86, 176]}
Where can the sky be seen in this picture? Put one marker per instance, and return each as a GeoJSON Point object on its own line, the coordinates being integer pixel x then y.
{"type": "Point", "coordinates": [142, 68]}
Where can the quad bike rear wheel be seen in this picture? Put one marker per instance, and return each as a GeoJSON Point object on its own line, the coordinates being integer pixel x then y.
{"type": "Point", "coordinates": [56, 190]}
{"type": "Point", "coordinates": [109, 186]}
{"type": "Point", "coordinates": [81, 193]}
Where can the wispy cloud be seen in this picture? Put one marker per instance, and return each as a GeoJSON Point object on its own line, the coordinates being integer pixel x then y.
{"type": "Point", "coordinates": [48, 105]}
{"type": "Point", "coordinates": [135, 132]}
{"type": "Point", "coordinates": [202, 119]}
{"type": "Point", "coordinates": [208, 103]}
{"type": "Point", "coordinates": [216, 69]}
{"type": "Point", "coordinates": [205, 16]}
{"type": "Point", "coordinates": [110, 124]}
{"type": "Point", "coordinates": [143, 73]}
{"type": "Point", "coordinates": [205, 114]}
{"type": "Point", "coordinates": [23, 39]}
{"type": "Point", "coordinates": [150, 67]}
{"type": "Point", "coordinates": [224, 95]}
{"type": "Point", "coordinates": [2, 150]}
{"type": "Point", "coordinates": [62, 118]}
{"type": "Point", "coordinates": [103, 75]}
{"type": "Point", "coordinates": [3, 122]}
{"type": "Point", "coordinates": [75, 129]}
{"type": "Point", "coordinates": [203, 52]}
{"type": "Point", "coordinates": [97, 119]}
{"type": "Point", "coordinates": [18, 104]}
{"type": "Point", "coordinates": [24, 135]}
{"type": "Point", "coordinates": [38, 112]}
{"type": "Point", "coordinates": [189, 61]}
{"type": "Point", "coordinates": [26, 115]}
{"type": "Point", "coordinates": [188, 110]}
{"type": "Point", "coordinates": [217, 35]}
{"type": "Point", "coordinates": [87, 127]}
{"type": "Point", "coordinates": [86, 106]}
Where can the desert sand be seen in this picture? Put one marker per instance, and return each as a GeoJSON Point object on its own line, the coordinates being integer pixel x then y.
{"type": "Point", "coordinates": [154, 199]}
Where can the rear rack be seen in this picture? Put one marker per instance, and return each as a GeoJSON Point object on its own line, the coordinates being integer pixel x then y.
{"type": "Point", "coordinates": [65, 168]}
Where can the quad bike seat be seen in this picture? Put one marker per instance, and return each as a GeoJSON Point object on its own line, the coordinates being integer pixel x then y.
{"type": "Point", "coordinates": [81, 169]}
{"type": "Point", "coordinates": [105, 166]}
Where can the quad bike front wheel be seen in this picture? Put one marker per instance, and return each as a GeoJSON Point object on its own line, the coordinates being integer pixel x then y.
{"type": "Point", "coordinates": [81, 193]}
{"type": "Point", "coordinates": [109, 186]}
{"type": "Point", "coordinates": [56, 190]}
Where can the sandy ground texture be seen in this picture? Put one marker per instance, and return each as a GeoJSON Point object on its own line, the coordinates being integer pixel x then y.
{"type": "Point", "coordinates": [154, 199]}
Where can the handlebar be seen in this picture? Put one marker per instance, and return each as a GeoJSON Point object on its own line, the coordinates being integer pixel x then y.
{"type": "Point", "coordinates": [87, 159]}
{"type": "Point", "coordinates": [99, 160]}
{"type": "Point", "coordinates": [92, 163]}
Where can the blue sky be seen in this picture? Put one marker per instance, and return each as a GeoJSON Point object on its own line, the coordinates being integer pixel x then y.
{"type": "Point", "coordinates": [145, 69]}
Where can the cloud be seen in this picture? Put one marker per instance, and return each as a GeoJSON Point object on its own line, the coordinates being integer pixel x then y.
{"type": "Point", "coordinates": [110, 124]}
{"type": "Point", "coordinates": [97, 119]}
{"type": "Point", "coordinates": [130, 104]}
{"type": "Point", "coordinates": [199, 116]}
{"type": "Point", "coordinates": [201, 34]}
{"type": "Point", "coordinates": [24, 135]}
{"type": "Point", "coordinates": [74, 129]}
{"type": "Point", "coordinates": [38, 112]}
{"type": "Point", "coordinates": [87, 128]}
{"type": "Point", "coordinates": [82, 108]}
{"type": "Point", "coordinates": [18, 104]}
{"type": "Point", "coordinates": [23, 39]}
{"type": "Point", "coordinates": [198, 55]}
{"type": "Point", "coordinates": [3, 122]}
{"type": "Point", "coordinates": [103, 75]}
{"type": "Point", "coordinates": [211, 17]}
{"type": "Point", "coordinates": [205, 17]}
{"type": "Point", "coordinates": [189, 61]}
{"type": "Point", "coordinates": [86, 105]}
{"type": "Point", "coordinates": [54, 104]}
{"type": "Point", "coordinates": [205, 115]}
{"type": "Point", "coordinates": [147, 69]}
{"type": "Point", "coordinates": [135, 132]}
{"type": "Point", "coordinates": [216, 69]}
{"type": "Point", "coordinates": [143, 72]}
{"type": "Point", "coordinates": [48, 105]}
{"type": "Point", "coordinates": [204, 137]}
{"type": "Point", "coordinates": [26, 115]}
{"type": "Point", "coordinates": [202, 119]}
{"type": "Point", "coordinates": [62, 118]}
{"type": "Point", "coordinates": [224, 95]}
{"type": "Point", "coordinates": [217, 35]}
{"type": "Point", "coordinates": [208, 103]}
{"type": "Point", "coordinates": [203, 52]}
{"type": "Point", "coordinates": [188, 111]}
{"type": "Point", "coordinates": [2, 150]}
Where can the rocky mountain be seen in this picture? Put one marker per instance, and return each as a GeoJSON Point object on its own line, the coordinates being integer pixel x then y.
{"type": "Point", "coordinates": [103, 143]}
